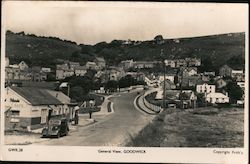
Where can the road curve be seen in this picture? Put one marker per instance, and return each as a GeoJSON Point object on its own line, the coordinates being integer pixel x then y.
{"type": "Point", "coordinates": [115, 130]}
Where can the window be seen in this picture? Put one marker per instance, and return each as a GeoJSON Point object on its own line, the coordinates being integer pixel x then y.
{"type": "Point", "coordinates": [15, 113]}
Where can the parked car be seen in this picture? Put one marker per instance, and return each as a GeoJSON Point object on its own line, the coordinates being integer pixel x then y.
{"type": "Point", "coordinates": [56, 127]}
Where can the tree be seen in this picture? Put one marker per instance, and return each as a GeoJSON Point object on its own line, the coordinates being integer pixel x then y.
{"type": "Point", "coordinates": [75, 56]}
{"type": "Point", "coordinates": [111, 85]}
{"type": "Point", "coordinates": [126, 81]}
{"type": "Point", "coordinates": [237, 61]}
{"type": "Point", "coordinates": [207, 65]}
{"type": "Point", "coordinates": [77, 93]}
{"type": "Point", "coordinates": [234, 91]}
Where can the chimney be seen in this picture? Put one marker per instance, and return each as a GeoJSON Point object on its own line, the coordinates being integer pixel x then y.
{"type": "Point", "coordinates": [226, 93]}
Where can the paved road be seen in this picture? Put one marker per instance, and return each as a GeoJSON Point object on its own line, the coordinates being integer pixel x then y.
{"type": "Point", "coordinates": [114, 130]}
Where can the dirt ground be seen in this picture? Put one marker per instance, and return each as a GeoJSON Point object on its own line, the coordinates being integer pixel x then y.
{"type": "Point", "coordinates": [209, 128]}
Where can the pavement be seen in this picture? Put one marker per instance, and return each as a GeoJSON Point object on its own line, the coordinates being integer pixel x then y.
{"type": "Point", "coordinates": [139, 102]}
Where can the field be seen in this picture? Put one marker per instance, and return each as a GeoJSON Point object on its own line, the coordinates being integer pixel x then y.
{"type": "Point", "coordinates": [223, 128]}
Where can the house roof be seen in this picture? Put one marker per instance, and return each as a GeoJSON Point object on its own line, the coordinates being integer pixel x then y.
{"type": "Point", "coordinates": [172, 94]}
{"type": "Point", "coordinates": [36, 96]}
{"type": "Point", "coordinates": [60, 96]}
{"type": "Point", "coordinates": [80, 68]}
{"type": "Point", "coordinates": [201, 82]}
{"type": "Point", "coordinates": [100, 59]}
{"type": "Point", "coordinates": [45, 85]}
{"type": "Point", "coordinates": [217, 95]}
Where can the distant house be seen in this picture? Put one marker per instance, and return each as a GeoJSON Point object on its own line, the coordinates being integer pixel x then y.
{"type": "Point", "coordinates": [220, 83]}
{"type": "Point", "coordinates": [170, 75]}
{"type": "Point", "coordinates": [238, 75]}
{"type": "Point", "coordinates": [80, 70]}
{"type": "Point", "coordinates": [188, 99]}
{"type": "Point", "coordinates": [23, 65]}
{"type": "Point", "coordinates": [91, 65]}
{"type": "Point", "coordinates": [144, 64]}
{"type": "Point", "coordinates": [62, 66]}
{"type": "Point", "coordinates": [100, 62]}
{"type": "Point", "coordinates": [126, 64]}
{"type": "Point", "coordinates": [170, 63]}
{"type": "Point", "coordinates": [187, 62]}
{"type": "Point", "coordinates": [217, 97]}
{"type": "Point", "coordinates": [12, 73]}
{"type": "Point", "coordinates": [205, 78]}
{"type": "Point", "coordinates": [23, 72]}
{"type": "Point", "coordinates": [115, 74]}
{"type": "Point", "coordinates": [62, 74]}
{"type": "Point", "coordinates": [183, 99]}
{"type": "Point", "coordinates": [205, 88]}
{"type": "Point", "coordinates": [191, 62]}
{"type": "Point", "coordinates": [99, 74]}
{"type": "Point", "coordinates": [189, 71]}
{"type": "Point", "coordinates": [181, 63]}
{"type": "Point", "coordinates": [169, 85]}
{"type": "Point", "coordinates": [72, 65]}
{"type": "Point", "coordinates": [63, 71]}
{"type": "Point", "coordinates": [225, 70]}
{"type": "Point", "coordinates": [46, 69]}
{"type": "Point", "coordinates": [211, 73]}
{"type": "Point", "coordinates": [189, 81]}
{"type": "Point", "coordinates": [241, 84]}
{"type": "Point", "coordinates": [28, 108]}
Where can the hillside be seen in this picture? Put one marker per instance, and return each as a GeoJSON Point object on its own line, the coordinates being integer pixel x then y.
{"type": "Point", "coordinates": [38, 50]}
{"type": "Point", "coordinates": [215, 50]}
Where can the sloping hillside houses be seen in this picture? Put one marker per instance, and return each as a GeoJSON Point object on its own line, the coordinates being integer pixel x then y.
{"type": "Point", "coordinates": [187, 62]}
{"type": "Point", "coordinates": [22, 71]}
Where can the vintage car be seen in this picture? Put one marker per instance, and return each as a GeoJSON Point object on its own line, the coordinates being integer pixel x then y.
{"type": "Point", "coordinates": [56, 127]}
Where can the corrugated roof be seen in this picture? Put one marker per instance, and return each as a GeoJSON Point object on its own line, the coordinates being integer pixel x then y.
{"type": "Point", "coordinates": [36, 96]}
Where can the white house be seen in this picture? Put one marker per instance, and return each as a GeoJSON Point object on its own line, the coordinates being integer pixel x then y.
{"type": "Point", "coordinates": [80, 70]}
{"type": "Point", "coordinates": [23, 65]}
{"type": "Point", "coordinates": [241, 84]}
{"type": "Point", "coordinates": [205, 88]}
{"type": "Point", "coordinates": [28, 108]}
{"type": "Point", "coordinates": [167, 77]}
{"type": "Point", "coordinates": [45, 69]}
{"type": "Point", "coordinates": [91, 65]}
{"type": "Point", "coordinates": [100, 61]}
{"type": "Point", "coordinates": [189, 71]}
{"type": "Point", "coordinates": [217, 97]}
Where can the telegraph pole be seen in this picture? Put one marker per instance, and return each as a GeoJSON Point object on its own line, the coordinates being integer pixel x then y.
{"type": "Point", "coordinates": [164, 81]}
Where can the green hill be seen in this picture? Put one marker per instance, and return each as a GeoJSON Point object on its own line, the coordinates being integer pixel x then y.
{"type": "Point", "coordinates": [45, 51]}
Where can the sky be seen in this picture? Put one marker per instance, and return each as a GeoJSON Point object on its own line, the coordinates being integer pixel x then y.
{"type": "Point", "coordinates": [93, 22]}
